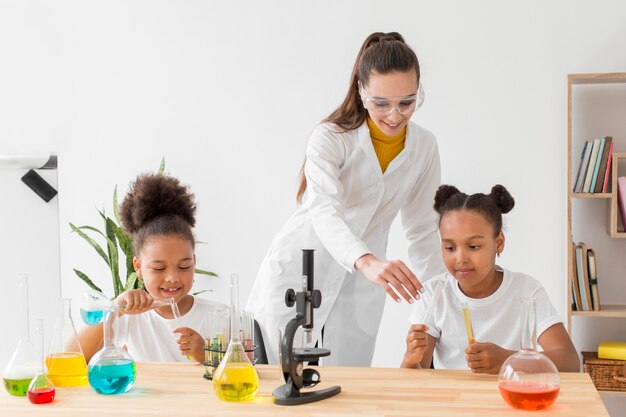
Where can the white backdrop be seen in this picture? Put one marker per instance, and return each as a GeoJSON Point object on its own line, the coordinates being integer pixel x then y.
{"type": "Point", "coordinates": [228, 92]}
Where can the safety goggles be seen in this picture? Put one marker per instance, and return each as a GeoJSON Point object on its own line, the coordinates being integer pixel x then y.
{"type": "Point", "coordinates": [385, 106]}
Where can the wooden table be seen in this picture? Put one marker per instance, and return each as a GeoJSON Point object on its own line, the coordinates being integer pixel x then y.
{"type": "Point", "coordinates": [172, 389]}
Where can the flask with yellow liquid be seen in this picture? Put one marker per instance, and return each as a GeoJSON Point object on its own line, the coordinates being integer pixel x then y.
{"type": "Point", "coordinates": [235, 379]}
{"type": "Point", "coordinates": [66, 362]}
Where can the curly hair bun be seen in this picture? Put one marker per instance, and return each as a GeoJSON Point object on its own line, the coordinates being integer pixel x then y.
{"type": "Point", "coordinates": [155, 195]}
{"type": "Point", "coordinates": [442, 195]}
{"type": "Point", "coordinates": [502, 198]}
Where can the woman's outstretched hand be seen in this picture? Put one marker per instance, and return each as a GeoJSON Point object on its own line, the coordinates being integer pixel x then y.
{"type": "Point", "coordinates": [390, 275]}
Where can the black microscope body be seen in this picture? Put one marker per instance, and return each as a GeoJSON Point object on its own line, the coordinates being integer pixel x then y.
{"type": "Point", "coordinates": [292, 360]}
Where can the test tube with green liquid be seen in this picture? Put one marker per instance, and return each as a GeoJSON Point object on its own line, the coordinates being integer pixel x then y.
{"type": "Point", "coordinates": [468, 323]}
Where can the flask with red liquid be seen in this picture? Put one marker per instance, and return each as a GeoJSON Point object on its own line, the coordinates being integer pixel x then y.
{"type": "Point", "coordinates": [529, 380]}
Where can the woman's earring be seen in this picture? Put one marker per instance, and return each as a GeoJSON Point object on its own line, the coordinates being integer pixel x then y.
{"type": "Point", "coordinates": [498, 254]}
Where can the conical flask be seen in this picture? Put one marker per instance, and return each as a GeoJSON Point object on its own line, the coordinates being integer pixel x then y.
{"type": "Point", "coordinates": [41, 389]}
{"type": "Point", "coordinates": [112, 369]}
{"type": "Point", "coordinates": [529, 380]}
{"type": "Point", "coordinates": [235, 378]}
{"type": "Point", "coordinates": [23, 365]}
{"type": "Point", "coordinates": [65, 361]}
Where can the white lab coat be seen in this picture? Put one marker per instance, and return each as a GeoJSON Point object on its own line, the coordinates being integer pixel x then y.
{"type": "Point", "coordinates": [347, 212]}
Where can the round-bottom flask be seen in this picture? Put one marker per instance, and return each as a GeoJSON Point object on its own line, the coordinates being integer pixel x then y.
{"type": "Point", "coordinates": [235, 379]}
{"type": "Point", "coordinates": [529, 380]}
{"type": "Point", "coordinates": [112, 370]}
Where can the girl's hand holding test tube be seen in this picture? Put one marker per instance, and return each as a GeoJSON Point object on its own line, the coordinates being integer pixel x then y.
{"type": "Point", "coordinates": [190, 343]}
{"type": "Point", "coordinates": [417, 338]}
{"type": "Point", "coordinates": [484, 358]}
{"type": "Point", "coordinates": [134, 301]}
{"type": "Point", "coordinates": [416, 345]}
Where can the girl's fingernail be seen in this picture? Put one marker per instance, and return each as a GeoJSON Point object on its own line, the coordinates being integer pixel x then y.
{"type": "Point", "coordinates": [422, 290]}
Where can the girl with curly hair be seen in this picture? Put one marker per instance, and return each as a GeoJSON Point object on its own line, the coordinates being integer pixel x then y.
{"type": "Point", "coordinates": [159, 213]}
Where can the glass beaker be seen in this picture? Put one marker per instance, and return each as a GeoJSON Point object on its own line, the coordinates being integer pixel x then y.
{"type": "Point", "coordinates": [529, 380]}
{"type": "Point", "coordinates": [235, 378]}
{"type": "Point", "coordinates": [66, 362]}
{"type": "Point", "coordinates": [92, 307]}
{"type": "Point", "coordinates": [112, 370]}
{"type": "Point", "coordinates": [23, 365]}
{"type": "Point", "coordinates": [41, 389]}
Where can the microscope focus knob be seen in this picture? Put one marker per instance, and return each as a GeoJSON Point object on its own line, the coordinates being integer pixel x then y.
{"type": "Point", "coordinates": [316, 298]}
{"type": "Point", "coordinates": [290, 297]}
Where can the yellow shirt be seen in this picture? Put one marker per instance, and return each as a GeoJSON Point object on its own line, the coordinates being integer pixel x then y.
{"type": "Point", "coordinates": [386, 147]}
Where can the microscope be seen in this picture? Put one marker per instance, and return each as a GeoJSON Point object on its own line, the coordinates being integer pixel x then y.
{"type": "Point", "coordinates": [292, 360]}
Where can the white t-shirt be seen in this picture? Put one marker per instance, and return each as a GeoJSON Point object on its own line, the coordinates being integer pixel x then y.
{"type": "Point", "coordinates": [149, 337]}
{"type": "Point", "coordinates": [495, 319]}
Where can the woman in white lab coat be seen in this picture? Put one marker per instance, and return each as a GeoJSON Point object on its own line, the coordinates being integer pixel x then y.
{"type": "Point", "coordinates": [365, 163]}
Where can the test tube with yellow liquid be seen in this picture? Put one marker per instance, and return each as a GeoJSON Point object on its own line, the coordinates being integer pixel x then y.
{"type": "Point", "coordinates": [468, 324]}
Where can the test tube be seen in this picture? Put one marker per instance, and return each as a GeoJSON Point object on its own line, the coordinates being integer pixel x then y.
{"type": "Point", "coordinates": [428, 316]}
{"type": "Point", "coordinates": [468, 323]}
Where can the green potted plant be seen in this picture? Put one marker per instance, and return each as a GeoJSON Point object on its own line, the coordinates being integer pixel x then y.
{"type": "Point", "coordinates": [118, 243]}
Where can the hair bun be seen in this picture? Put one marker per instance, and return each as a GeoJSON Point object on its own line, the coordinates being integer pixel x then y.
{"type": "Point", "coordinates": [442, 195]}
{"type": "Point", "coordinates": [153, 196]}
{"type": "Point", "coordinates": [502, 198]}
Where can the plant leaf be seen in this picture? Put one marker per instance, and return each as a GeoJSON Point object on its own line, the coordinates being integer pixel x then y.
{"type": "Point", "coordinates": [116, 209]}
{"type": "Point", "coordinates": [92, 242]}
{"type": "Point", "coordinates": [126, 243]}
{"type": "Point", "coordinates": [110, 227]}
{"type": "Point", "coordinates": [203, 272]}
{"type": "Point", "coordinates": [87, 281]}
{"type": "Point", "coordinates": [200, 292]}
{"type": "Point", "coordinates": [162, 166]}
{"type": "Point", "coordinates": [130, 281]}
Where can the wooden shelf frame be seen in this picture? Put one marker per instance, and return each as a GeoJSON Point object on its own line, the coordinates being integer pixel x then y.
{"type": "Point", "coordinates": [608, 310]}
{"type": "Point", "coordinates": [579, 79]}
{"type": "Point", "coordinates": [614, 209]}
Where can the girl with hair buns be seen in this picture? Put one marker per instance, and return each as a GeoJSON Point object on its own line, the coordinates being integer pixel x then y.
{"type": "Point", "coordinates": [471, 239]}
{"type": "Point", "coordinates": [365, 163]}
{"type": "Point", "coordinates": [159, 213]}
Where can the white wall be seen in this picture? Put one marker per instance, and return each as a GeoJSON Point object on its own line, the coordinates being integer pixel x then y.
{"type": "Point", "coordinates": [228, 93]}
{"type": "Point", "coordinates": [30, 245]}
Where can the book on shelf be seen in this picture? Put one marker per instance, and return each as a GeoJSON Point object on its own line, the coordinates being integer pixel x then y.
{"type": "Point", "coordinates": [621, 199]}
{"type": "Point", "coordinates": [596, 169]}
{"type": "Point", "coordinates": [604, 158]}
{"type": "Point", "coordinates": [607, 175]}
{"type": "Point", "coordinates": [582, 270]}
{"type": "Point", "coordinates": [593, 279]}
{"type": "Point", "coordinates": [592, 165]}
{"type": "Point", "coordinates": [576, 300]}
{"type": "Point", "coordinates": [582, 167]}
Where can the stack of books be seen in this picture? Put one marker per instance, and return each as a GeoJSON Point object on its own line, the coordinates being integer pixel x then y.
{"type": "Point", "coordinates": [595, 166]}
{"type": "Point", "coordinates": [585, 294]}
